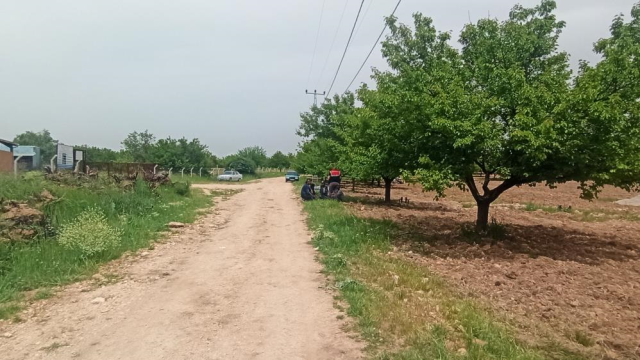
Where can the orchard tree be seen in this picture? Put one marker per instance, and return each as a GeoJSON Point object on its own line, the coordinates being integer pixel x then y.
{"type": "Point", "coordinates": [316, 157]}
{"type": "Point", "coordinates": [256, 153]}
{"type": "Point", "coordinates": [139, 145]}
{"type": "Point", "coordinates": [322, 146]}
{"type": "Point", "coordinates": [604, 113]}
{"type": "Point", "coordinates": [179, 153]}
{"type": "Point", "coordinates": [503, 105]}
{"type": "Point", "coordinates": [96, 154]}
{"type": "Point", "coordinates": [240, 163]}
{"type": "Point", "coordinates": [378, 142]}
{"type": "Point", "coordinates": [279, 161]}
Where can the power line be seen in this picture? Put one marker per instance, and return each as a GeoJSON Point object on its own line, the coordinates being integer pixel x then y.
{"type": "Point", "coordinates": [362, 21]}
{"type": "Point", "coordinates": [373, 47]}
{"type": "Point", "coordinates": [335, 36]}
{"type": "Point", "coordinates": [345, 49]}
{"type": "Point", "coordinates": [315, 46]}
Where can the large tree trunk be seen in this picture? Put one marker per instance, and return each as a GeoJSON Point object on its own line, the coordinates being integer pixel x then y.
{"type": "Point", "coordinates": [488, 196]}
{"type": "Point", "coordinates": [387, 189]}
{"type": "Point", "coordinates": [482, 220]}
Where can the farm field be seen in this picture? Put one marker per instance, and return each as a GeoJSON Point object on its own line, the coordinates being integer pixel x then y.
{"type": "Point", "coordinates": [562, 268]}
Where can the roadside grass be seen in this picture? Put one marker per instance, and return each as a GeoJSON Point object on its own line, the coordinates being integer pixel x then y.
{"type": "Point", "coordinates": [141, 213]}
{"type": "Point", "coordinates": [43, 294]}
{"type": "Point", "coordinates": [192, 179]}
{"type": "Point", "coordinates": [403, 310]}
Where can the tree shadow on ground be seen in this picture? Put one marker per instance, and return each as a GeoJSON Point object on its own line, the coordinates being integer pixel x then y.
{"type": "Point", "coordinates": [433, 229]}
{"type": "Point", "coordinates": [397, 205]}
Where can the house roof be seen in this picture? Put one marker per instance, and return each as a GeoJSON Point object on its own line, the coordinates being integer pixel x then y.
{"type": "Point", "coordinates": [8, 143]}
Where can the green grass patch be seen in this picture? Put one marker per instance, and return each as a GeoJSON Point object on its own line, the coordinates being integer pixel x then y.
{"type": "Point", "coordinates": [403, 310]}
{"type": "Point", "coordinates": [601, 215]}
{"type": "Point", "coordinates": [140, 213]}
{"type": "Point", "coordinates": [548, 209]}
{"type": "Point", "coordinates": [7, 310]}
{"type": "Point", "coordinates": [43, 294]}
{"type": "Point", "coordinates": [596, 215]}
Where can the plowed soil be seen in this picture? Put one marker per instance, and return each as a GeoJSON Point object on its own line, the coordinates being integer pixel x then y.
{"type": "Point", "coordinates": [563, 270]}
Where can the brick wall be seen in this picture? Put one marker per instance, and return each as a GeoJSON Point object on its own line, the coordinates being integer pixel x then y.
{"type": "Point", "coordinates": [6, 161]}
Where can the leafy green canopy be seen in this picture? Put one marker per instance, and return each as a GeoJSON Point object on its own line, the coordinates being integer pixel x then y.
{"type": "Point", "coordinates": [279, 161]}
{"type": "Point", "coordinates": [321, 128]}
{"type": "Point", "coordinates": [504, 104]}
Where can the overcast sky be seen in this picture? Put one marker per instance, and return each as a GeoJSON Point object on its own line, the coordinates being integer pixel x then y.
{"type": "Point", "coordinates": [231, 73]}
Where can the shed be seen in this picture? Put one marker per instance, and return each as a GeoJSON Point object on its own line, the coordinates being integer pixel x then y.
{"type": "Point", "coordinates": [6, 155]}
{"type": "Point", "coordinates": [30, 159]}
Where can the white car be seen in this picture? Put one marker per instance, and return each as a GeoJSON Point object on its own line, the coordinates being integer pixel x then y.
{"type": "Point", "coordinates": [230, 176]}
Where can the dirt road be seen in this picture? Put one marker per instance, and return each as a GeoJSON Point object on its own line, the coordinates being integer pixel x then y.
{"type": "Point", "coordinates": [241, 283]}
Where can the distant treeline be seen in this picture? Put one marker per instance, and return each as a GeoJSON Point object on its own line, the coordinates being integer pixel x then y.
{"type": "Point", "coordinates": [169, 152]}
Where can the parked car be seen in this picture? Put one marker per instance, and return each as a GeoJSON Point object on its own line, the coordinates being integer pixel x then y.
{"type": "Point", "coordinates": [230, 176]}
{"type": "Point", "coordinates": [291, 176]}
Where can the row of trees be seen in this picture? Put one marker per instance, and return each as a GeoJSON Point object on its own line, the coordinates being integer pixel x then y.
{"type": "Point", "coordinates": [176, 153]}
{"type": "Point", "coordinates": [504, 103]}
{"type": "Point", "coordinates": [247, 160]}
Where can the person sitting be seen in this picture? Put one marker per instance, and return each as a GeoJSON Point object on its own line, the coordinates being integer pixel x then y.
{"type": "Point", "coordinates": [306, 193]}
{"type": "Point", "coordinates": [324, 190]}
{"type": "Point", "coordinates": [334, 187]}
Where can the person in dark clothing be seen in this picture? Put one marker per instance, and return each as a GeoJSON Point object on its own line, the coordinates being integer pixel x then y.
{"type": "Point", "coordinates": [334, 187]}
{"type": "Point", "coordinates": [324, 190]}
{"type": "Point", "coordinates": [306, 193]}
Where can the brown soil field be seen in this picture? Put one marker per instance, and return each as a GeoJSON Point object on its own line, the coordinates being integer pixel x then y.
{"type": "Point", "coordinates": [561, 269]}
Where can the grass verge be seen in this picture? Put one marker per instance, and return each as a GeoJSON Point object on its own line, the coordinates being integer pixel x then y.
{"type": "Point", "coordinates": [403, 310]}
{"type": "Point", "coordinates": [42, 262]}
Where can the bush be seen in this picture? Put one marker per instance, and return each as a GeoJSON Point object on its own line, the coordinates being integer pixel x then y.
{"type": "Point", "coordinates": [241, 164]}
{"type": "Point", "coordinates": [90, 233]}
{"type": "Point", "coordinates": [182, 188]}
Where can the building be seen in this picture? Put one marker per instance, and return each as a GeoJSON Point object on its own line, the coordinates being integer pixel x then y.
{"type": "Point", "coordinates": [6, 155]}
{"type": "Point", "coordinates": [30, 159]}
{"type": "Point", "coordinates": [68, 157]}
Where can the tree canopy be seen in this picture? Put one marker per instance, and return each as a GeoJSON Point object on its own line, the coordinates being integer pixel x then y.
{"type": "Point", "coordinates": [502, 104]}
{"type": "Point", "coordinates": [279, 160]}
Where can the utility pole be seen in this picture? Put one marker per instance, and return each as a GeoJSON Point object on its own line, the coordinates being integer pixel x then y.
{"type": "Point", "coordinates": [315, 94]}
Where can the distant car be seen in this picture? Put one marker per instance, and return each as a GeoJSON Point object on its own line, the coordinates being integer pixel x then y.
{"type": "Point", "coordinates": [230, 176]}
{"type": "Point", "coordinates": [291, 176]}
